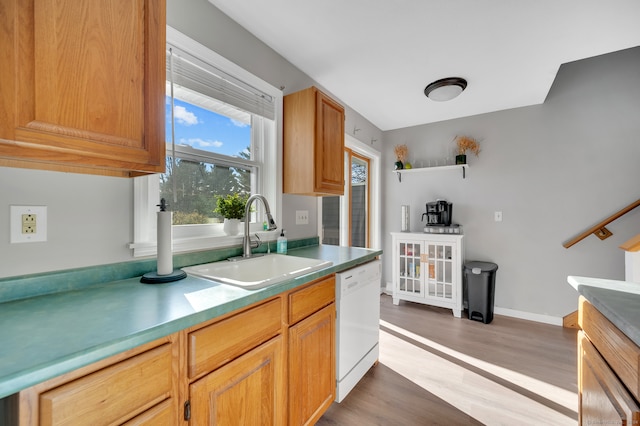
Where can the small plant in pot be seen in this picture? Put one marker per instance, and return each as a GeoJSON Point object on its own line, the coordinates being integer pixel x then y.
{"type": "Point", "coordinates": [464, 144]}
{"type": "Point", "coordinates": [231, 207]}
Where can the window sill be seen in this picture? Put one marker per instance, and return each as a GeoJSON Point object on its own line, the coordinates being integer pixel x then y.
{"type": "Point", "coordinates": [182, 245]}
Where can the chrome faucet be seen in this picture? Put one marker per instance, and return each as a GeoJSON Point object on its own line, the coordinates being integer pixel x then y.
{"type": "Point", "coordinates": [247, 244]}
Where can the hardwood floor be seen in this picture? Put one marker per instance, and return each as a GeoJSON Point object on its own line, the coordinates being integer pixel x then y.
{"type": "Point", "coordinates": [436, 369]}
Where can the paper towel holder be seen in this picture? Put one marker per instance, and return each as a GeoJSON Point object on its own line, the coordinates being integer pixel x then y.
{"type": "Point", "coordinates": [154, 277]}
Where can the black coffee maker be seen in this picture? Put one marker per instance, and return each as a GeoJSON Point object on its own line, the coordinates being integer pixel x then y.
{"type": "Point", "coordinates": [438, 213]}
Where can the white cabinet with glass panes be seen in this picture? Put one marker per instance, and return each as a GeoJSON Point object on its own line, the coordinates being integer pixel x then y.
{"type": "Point", "coordinates": [427, 269]}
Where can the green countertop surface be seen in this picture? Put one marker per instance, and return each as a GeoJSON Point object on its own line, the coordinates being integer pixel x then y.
{"type": "Point", "coordinates": [618, 301]}
{"type": "Point", "coordinates": [45, 336]}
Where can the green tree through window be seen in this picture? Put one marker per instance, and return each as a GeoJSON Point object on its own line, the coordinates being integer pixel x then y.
{"type": "Point", "coordinates": [197, 186]}
{"type": "Point", "coordinates": [211, 152]}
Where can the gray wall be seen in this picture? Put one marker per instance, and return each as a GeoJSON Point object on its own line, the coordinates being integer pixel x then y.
{"type": "Point", "coordinates": [553, 170]}
{"type": "Point", "coordinates": [90, 218]}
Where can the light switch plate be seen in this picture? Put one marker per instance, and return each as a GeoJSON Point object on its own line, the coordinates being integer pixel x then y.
{"type": "Point", "coordinates": [28, 224]}
{"type": "Point", "coordinates": [302, 217]}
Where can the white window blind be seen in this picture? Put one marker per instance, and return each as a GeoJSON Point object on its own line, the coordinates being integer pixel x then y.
{"type": "Point", "coordinates": [196, 75]}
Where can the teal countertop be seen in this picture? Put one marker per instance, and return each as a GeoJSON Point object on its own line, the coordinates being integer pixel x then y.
{"type": "Point", "coordinates": [618, 301]}
{"type": "Point", "coordinates": [45, 336]}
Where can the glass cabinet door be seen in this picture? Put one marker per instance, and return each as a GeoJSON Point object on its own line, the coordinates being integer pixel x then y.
{"type": "Point", "coordinates": [409, 267]}
{"type": "Point", "coordinates": [439, 280]}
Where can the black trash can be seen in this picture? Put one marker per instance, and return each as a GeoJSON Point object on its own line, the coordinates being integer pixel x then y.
{"type": "Point", "coordinates": [480, 286]}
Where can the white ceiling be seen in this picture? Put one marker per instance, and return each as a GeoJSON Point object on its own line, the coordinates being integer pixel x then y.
{"type": "Point", "coordinates": [377, 56]}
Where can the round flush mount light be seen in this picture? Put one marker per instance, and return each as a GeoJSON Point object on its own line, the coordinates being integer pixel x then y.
{"type": "Point", "coordinates": [445, 89]}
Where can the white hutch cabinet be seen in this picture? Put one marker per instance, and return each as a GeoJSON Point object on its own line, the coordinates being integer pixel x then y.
{"type": "Point", "coordinates": [427, 268]}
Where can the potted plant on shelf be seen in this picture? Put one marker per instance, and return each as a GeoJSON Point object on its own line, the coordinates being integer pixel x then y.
{"type": "Point", "coordinates": [464, 144]}
{"type": "Point", "coordinates": [231, 207]}
{"type": "Point", "coordinates": [401, 152]}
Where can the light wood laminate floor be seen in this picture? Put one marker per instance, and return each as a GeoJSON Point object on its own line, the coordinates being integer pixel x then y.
{"type": "Point", "coordinates": [436, 369]}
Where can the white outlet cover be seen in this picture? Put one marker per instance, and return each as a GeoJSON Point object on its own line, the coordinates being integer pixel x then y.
{"type": "Point", "coordinates": [15, 220]}
{"type": "Point", "coordinates": [302, 217]}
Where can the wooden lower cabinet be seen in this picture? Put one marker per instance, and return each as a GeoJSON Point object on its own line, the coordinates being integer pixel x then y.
{"type": "Point", "coordinates": [221, 341]}
{"type": "Point", "coordinates": [608, 364]}
{"type": "Point", "coordinates": [255, 377]}
{"type": "Point", "coordinates": [603, 399]}
{"type": "Point", "coordinates": [165, 413]}
{"type": "Point", "coordinates": [247, 391]}
{"type": "Point", "coordinates": [137, 387]}
{"type": "Point", "coordinates": [272, 363]}
{"type": "Point", "coordinates": [311, 356]}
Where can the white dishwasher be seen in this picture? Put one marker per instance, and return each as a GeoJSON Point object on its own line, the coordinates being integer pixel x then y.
{"type": "Point", "coordinates": [357, 324]}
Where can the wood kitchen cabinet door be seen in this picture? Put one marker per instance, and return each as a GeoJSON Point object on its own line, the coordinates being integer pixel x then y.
{"type": "Point", "coordinates": [329, 155]}
{"type": "Point", "coordinates": [313, 148]}
{"type": "Point", "coordinates": [135, 387]}
{"type": "Point", "coordinates": [82, 88]}
{"type": "Point", "coordinates": [249, 390]}
{"type": "Point", "coordinates": [312, 374]}
{"type": "Point", "coordinates": [603, 399]}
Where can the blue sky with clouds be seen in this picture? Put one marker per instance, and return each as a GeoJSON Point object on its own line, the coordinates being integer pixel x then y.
{"type": "Point", "coordinates": [206, 130]}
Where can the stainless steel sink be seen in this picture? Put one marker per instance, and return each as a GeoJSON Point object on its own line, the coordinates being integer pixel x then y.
{"type": "Point", "coordinates": [257, 272]}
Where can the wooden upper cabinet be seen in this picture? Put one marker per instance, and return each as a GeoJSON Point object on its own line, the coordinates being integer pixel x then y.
{"type": "Point", "coordinates": [82, 85]}
{"type": "Point", "coordinates": [313, 153]}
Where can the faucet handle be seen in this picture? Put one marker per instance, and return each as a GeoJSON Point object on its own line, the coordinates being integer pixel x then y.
{"type": "Point", "coordinates": [257, 243]}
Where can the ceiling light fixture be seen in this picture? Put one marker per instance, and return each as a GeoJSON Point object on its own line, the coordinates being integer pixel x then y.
{"type": "Point", "coordinates": [445, 89]}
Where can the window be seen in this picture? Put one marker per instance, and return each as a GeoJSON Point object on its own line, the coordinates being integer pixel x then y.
{"type": "Point", "coordinates": [221, 139]}
{"type": "Point", "coordinates": [356, 197]}
{"type": "Point", "coordinates": [359, 203]}
{"type": "Point", "coordinates": [354, 218]}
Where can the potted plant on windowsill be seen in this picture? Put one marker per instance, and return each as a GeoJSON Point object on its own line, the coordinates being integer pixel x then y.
{"type": "Point", "coordinates": [464, 144]}
{"type": "Point", "coordinates": [231, 207]}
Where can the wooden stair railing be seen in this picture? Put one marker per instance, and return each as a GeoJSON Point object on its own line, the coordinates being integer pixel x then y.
{"type": "Point", "coordinates": [600, 229]}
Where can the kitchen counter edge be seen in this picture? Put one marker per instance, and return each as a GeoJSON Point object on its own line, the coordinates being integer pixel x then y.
{"type": "Point", "coordinates": [618, 301]}
{"type": "Point", "coordinates": [13, 380]}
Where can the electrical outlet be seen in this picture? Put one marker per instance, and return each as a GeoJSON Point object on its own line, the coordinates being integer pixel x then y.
{"type": "Point", "coordinates": [497, 216]}
{"type": "Point", "coordinates": [302, 217]}
{"type": "Point", "coordinates": [28, 224]}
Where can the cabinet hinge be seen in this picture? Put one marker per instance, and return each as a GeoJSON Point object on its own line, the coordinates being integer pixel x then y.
{"type": "Point", "coordinates": [187, 410]}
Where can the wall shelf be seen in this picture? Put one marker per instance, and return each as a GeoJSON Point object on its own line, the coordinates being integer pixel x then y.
{"type": "Point", "coordinates": [433, 169]}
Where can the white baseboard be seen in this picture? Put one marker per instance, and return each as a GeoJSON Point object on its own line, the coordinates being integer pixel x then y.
{"type": "Point", "coordinates": [546, 319]}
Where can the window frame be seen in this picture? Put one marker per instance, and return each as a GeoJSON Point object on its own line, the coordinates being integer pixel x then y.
{"type": "Point", "coordinates": [267, 163]}
{"type": "Point", "coordinates": [375, 219]}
